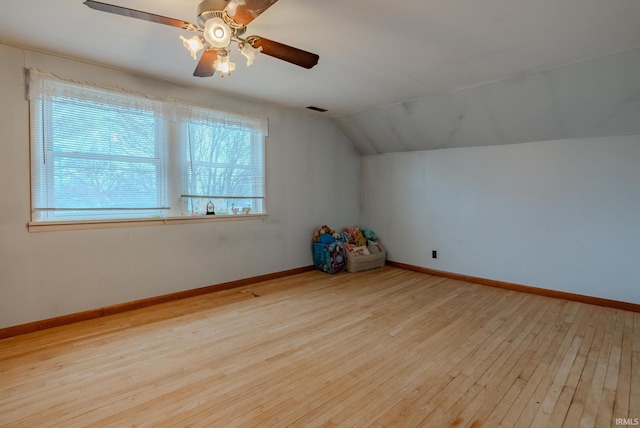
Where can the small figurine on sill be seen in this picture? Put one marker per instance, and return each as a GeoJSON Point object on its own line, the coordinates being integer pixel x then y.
{"type": "Point", "coordinates": [211, 208]}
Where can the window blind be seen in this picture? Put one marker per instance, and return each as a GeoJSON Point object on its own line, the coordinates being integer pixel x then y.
{"type": "Point", "coordinates": [96, 153]}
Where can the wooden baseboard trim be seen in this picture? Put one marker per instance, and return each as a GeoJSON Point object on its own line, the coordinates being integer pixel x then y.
{"type": "Point", "coordinates": [616, 304]}
{"type": "Point", "coordinates": [137, 304]}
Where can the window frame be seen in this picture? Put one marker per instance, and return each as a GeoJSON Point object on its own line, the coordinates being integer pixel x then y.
{"type": "Point", "coordinates": [256, 168]}
{"type": "Point", "coordinates": [172, 118]}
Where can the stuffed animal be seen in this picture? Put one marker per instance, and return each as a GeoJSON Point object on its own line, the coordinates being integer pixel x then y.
{"type": "Point", "coordinates": [349, 234]}
{"type": "Point", "coordinates": [354, 236]}
{"type": "Point", "coordinates": [318, 235]}
{"type": "Point", "coordinates": [370, 236]}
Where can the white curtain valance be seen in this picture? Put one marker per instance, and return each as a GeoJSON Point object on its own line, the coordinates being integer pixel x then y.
{"type": "Point", "coordinates": [47, 86]}
{"type": "Point", "coordinates": [43, 85]}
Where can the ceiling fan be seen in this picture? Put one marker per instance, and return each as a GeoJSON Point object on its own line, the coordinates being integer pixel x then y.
{"type": "Point", "coordinates": [220, 23]}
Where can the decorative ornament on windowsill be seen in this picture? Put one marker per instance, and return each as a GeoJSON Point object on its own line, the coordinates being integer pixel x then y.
{"type": "Point", "coordinates": [211, 208]}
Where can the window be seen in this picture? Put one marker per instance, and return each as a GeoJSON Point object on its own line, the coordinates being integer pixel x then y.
{"type": "Point", "coordinates": [102, 154]}
{"type": "Point", "coordinates": [95, 154]}
{"type": "Point", "coordinates": [223, 161]}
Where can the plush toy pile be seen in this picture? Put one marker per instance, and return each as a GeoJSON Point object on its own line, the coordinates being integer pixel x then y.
{"type": "Point", "coordinates": [361, 240]}
{"type": "Point", "coordinates": [329, 248]}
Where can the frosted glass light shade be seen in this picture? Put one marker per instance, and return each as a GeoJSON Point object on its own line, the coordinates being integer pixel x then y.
{"type": "Point", "coordinates": [193, 45]}
{"type": "Point", "coordinates": [250, 52]}
{"type": "Point", "coordinates": [223, 65]}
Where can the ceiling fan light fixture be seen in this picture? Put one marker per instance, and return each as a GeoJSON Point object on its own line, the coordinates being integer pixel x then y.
{"type": "Point", "coordinates": [217, 33]}
{"type": "Point", "coordinates": [220, 22]}
{"type": "Point", "coordinates": [249, 52]}
{"type": "Point", "coordinates": [193, 45]}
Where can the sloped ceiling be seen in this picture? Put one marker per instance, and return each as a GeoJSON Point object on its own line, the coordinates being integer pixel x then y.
{"type": "Point", "coordinates": [595, 98]}
{"type": "Point", "coordinates": [381, 63]}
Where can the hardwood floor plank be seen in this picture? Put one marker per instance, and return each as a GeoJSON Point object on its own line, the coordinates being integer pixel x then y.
{"type": "Point", "coordinates": [594, 395]}
{"type": "Point", "coordinates": [585, 334]}
{"type": "Point", "coordinates": [541, 419]}
{"type": "Point", "coordinates": [585, 381]}
{"type": "Point", "coordinates": [381, 348]}
{"type": "Point", "coordinates": [623, 388]}
{"type": "Point", "coordinates": [605, 413]}
{"type": "Point", "coordinates": [634, 394]}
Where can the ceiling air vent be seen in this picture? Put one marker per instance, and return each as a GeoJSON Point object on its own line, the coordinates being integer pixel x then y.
{"type": "Point", "coordinates": [314, 108]}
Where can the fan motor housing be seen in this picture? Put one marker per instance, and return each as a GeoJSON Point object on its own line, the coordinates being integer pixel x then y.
{"type": "Point", "coordinates": [208, 9]}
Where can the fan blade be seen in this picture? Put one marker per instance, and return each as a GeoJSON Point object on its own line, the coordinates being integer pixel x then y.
{"type": "Point", "coordinates": [248, 10]}
{"type": "Point", "coordinates": [286, 53]}
{"type": "Point", "coordinates": [205, 65]}
{"type": "Point", "coordinates": [146, 16]}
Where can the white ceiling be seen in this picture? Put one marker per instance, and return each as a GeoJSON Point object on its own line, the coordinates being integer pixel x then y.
{"type": "Point", "coordinates": [373, 53]}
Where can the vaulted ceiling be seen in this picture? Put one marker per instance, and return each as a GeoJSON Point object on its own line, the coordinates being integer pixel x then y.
{"type": "Point", "coordinates": [374, 55]}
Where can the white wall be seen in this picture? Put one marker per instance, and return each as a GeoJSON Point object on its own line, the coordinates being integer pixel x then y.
{"type": "Point", "coordinates": [561, 215]}
{"type": "Point", "coordinates": [313, 178]}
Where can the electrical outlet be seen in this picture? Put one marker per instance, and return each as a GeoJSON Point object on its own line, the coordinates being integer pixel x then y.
{"type": "Point", "coordinates": [434, 254]}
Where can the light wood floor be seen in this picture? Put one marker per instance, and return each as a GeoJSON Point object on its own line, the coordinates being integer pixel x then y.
{"type": "Point", "coordinates": [381, 348]}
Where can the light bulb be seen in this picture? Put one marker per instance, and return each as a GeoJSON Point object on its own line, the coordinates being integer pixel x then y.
{"type": "Point", "coordinates": [217, 33]}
